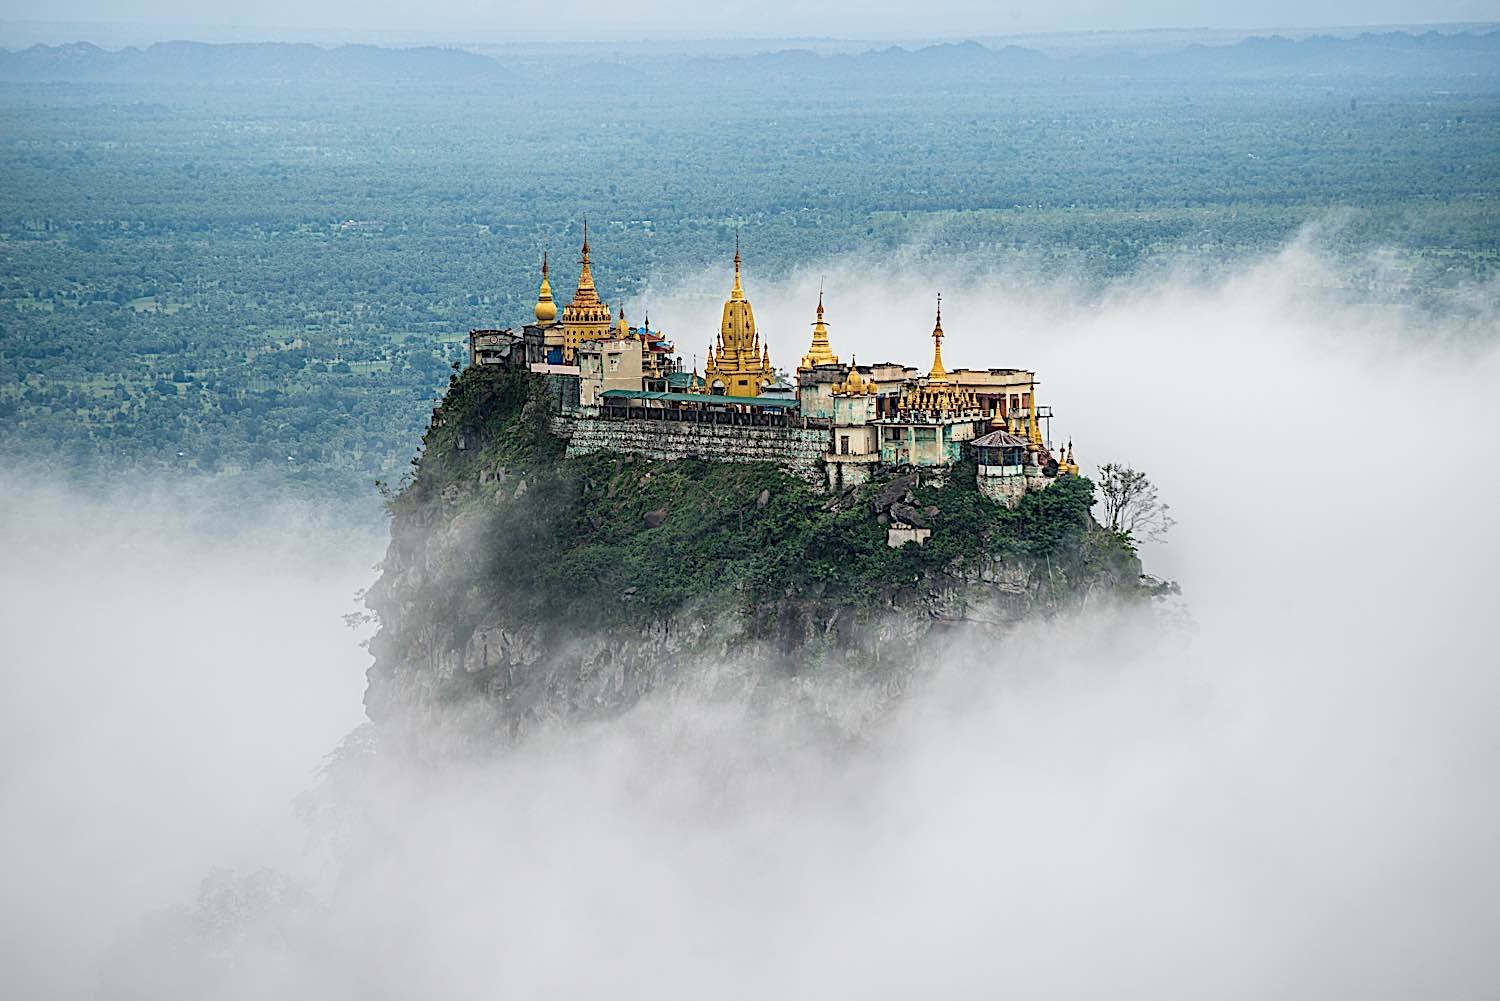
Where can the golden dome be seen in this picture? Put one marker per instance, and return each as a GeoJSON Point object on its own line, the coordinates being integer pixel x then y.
{"type": "Point", "coordinates": [546, 309]}
{"type": "Point", "coordinates": [855, 383]}
{"type": "Point", "coordinates": [622, 330]}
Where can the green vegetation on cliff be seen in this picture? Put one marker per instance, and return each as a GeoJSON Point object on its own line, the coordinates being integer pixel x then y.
{"type": "Point", "coordinates": [534, 538]}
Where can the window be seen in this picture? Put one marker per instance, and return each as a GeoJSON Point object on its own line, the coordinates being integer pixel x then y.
{"type": "Point", "coordinates": [614, 363]}
{"type": "Point", "coordinates": [926, 434]}
{"type": "Point", "coordinates": [843, 444]}
{"type": "Point", "coordinates": [895, 434]}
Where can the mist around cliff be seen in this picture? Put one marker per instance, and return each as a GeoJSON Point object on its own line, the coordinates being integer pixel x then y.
{"type": "Point", "coordinates": [1283, 789]}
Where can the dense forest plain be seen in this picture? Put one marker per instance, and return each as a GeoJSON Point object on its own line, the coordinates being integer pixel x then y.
{"type": "Point", "coordinates": [263, 259]}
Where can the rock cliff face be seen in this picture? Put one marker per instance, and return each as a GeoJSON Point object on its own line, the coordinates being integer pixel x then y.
{"type": "Point", "coordinates": [523, 589]}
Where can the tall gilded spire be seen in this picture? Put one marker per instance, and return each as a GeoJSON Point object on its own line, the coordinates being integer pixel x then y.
{"type": "Point", "coordinates": [739, 364]}
{"type": "Point", "coordinates": [737, 331]}
{"type": "Point", "coordinates": [546, 309]}
{"type": "Point", "coordinates": [820, 353]}
{"type": "Point", "coordinates": [939, 374]}
{"type": "Point", "coordinates": [586, 293]}
{"type": "Point", "coordinates": [937, 394]}
{"type": "Point", "coordinates": [586, 317]}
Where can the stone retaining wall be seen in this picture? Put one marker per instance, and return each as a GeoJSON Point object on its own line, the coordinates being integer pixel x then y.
{"type": "Point", "coordinates": [1008, 484]}
{"type": "Point", "coordinates": [798, 451]}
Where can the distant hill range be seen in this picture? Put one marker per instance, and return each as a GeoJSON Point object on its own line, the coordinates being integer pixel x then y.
{"type": "Point", "coordinates": [269, 62]}
{"type": "Point", "coordinates": [1473, 55]}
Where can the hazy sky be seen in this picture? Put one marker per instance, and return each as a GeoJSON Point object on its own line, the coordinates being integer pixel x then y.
{"type": "Point", "coordinates": [494, 20]}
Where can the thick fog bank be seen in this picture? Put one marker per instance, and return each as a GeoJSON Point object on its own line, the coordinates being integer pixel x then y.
{"type": "Point", "coordinates": [169, 686]}
{"type": "Point", "coordinates": [1285, 791]}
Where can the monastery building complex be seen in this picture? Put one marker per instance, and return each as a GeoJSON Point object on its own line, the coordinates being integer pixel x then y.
{"type": "Point", "coordinates": [621, 388]}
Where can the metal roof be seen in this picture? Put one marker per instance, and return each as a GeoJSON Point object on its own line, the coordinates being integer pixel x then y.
{"type": "Point", "coordinates": [995, 439]}
{"type": "Point", "coordinates": [749, 401]}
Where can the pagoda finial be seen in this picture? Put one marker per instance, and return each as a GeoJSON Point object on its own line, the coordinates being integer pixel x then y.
{"type": "Point", "coordinates": [939, 374]}
{"type": "Point", "coordinates": [738, 292]}
{"type": "Point", "coordinates": [586, 295]}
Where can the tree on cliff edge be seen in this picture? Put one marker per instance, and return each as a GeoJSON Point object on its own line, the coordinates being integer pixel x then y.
{"type": "Point", "coordinates": [1131, 504]}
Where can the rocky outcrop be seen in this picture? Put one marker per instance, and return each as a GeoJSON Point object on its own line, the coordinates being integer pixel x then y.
{"type": "Point", "coordinates": [524, 587]}
{"type": "Point", "coordinates": [511, 676]}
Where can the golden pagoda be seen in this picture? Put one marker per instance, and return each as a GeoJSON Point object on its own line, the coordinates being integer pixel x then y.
{"type": "Point", "coordinates": [586, 318]}
{"type": "Point", "coordinates": [1068, 464]}
{"type": "Point", "coordinates": [546, 309]}
{"type": "Point", "coordinates": [938, 395]}
{"type": "Point", "coordinates": [854, 384]}
{"type": "Point", "coordinates": [741, 365]}
{"type": "Point", "coordinates": [819, 353]}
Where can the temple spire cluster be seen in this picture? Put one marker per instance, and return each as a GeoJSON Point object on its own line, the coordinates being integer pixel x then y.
{"type": "Point", "coordinates": [937, 394]}
{"type": "Point", "coordinates": [869, 418]}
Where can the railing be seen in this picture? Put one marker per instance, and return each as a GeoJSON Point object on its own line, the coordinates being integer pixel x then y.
{"type": "Point", "coordinates": [725, 418]}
